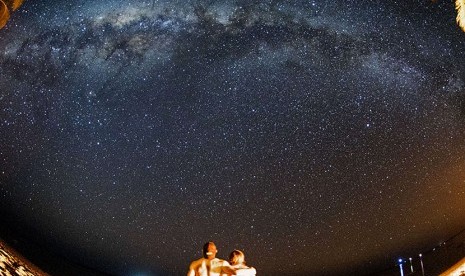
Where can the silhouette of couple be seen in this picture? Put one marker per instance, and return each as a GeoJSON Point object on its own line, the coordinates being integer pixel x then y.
{"type": "Point", "coordinates": [210, 265]}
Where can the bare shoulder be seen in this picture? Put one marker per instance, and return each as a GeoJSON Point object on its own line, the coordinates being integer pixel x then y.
{"type": "Point", "coordinates": [196, 263]}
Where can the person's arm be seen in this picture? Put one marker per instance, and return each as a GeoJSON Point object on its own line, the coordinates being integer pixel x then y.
{"type": "Point", "coordinates": [227, 269]}
{"type": "Point", "coordinates": [246, 271]}
{"type": "Point", "coordinates": [191, 271]}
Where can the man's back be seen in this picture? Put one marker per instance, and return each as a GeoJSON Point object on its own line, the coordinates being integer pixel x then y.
{"type": "Point", "coordinates": [206, 267]}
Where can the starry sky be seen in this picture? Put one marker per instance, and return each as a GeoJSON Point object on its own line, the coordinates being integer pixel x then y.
{"type": "Point", "coordinates": [320, 137]}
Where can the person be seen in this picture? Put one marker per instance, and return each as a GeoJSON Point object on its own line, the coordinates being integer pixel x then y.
{"type": "Point", "coordinates": [210, 265]}
{"type": "Point", "coordinates": [237, 261]}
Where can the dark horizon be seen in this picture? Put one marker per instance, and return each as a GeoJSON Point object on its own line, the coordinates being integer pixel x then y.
{"type": "Point", "coordinates": [319, 137]}
{"type": "Point", "coordinates": [435, 260]}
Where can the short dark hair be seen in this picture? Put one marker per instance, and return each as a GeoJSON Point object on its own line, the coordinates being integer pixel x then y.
{"type": "Point", "coordinates": [205, 249]}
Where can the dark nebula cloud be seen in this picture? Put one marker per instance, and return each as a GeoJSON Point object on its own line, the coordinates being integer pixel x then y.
{"type": "Point", "coordinates": [321, 138]}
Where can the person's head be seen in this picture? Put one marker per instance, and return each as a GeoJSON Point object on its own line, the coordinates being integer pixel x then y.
{"type": "Point", "coordinates": [209, 250]}
{"type": "Point", "coordinates": [236, 257]}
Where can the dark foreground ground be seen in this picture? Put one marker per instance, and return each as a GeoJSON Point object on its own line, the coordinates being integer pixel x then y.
{"type": "Point", "coordinates": [21, 257]}
{"type": "Point", "coordinates": [12, 263]}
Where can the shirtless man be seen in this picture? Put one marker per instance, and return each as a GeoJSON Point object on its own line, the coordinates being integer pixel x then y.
{"type": "Point", "coordinates": [209, 265]}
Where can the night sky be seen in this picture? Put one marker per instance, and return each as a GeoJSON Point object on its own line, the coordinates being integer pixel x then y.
{"type": "Point", "coordinates": [320, 137]}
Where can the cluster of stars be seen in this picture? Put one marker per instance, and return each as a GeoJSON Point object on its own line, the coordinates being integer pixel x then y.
{"type": "Point", "coordinates": [143, 127]}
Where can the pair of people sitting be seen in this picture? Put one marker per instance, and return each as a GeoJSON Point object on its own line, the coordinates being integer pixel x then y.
{"type": "Point", "coordinates": [209, 265]}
